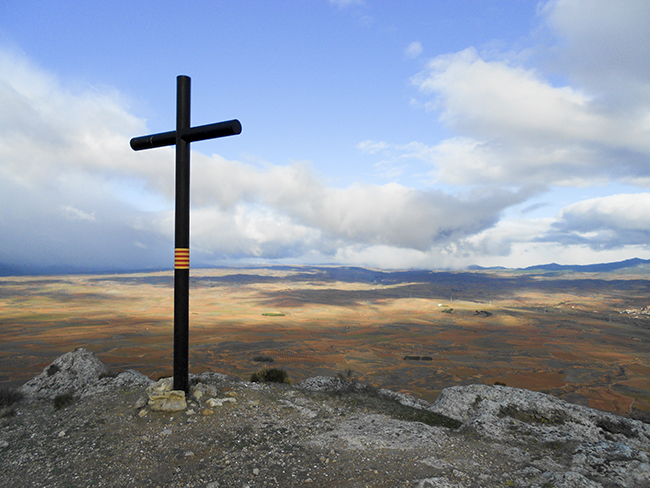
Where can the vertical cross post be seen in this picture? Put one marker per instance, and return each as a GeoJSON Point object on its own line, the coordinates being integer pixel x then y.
{"type": "Point", "coordinates": [182, 239]}
{"type": "Point", "coordinates": [181, 138]}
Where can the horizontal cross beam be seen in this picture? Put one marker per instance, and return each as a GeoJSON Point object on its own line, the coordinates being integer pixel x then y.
{"type": "Point", "coordinates": [199, 133]}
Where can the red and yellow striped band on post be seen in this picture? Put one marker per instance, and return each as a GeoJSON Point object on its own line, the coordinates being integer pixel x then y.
{"type": "Point", "coordinates": [181, 258]}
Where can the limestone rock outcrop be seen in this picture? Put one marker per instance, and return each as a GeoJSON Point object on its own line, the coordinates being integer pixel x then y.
{"type": "Point", "coordinates": [74, 371]}
{"type": "Point", "coordinates": [500, 436]}
{"type": "Point", "coordinates": [601, 445]}
{"type": "Point", "coordinates": [83, 374]}
{"type": "Point", "coordinates": [522, 425]}
{"type": "Point", "coordinates": [497, 411]}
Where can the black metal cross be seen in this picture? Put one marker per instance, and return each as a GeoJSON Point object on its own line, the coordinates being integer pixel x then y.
{"type": "Point", "coordinates": [181, 138]}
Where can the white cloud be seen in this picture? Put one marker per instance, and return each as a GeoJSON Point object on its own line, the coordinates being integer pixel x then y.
{"type": "Point", "coordinates": [605, 223]}
{"type": "Point", "coordinates": [516, 128]}
{"type": "Point", "coordinates": [58, 153]}
{"type": "Point", "coordinates": [372, 147]}
{"type": "Point", "coordinates": [391, 214]}
{"type": "Point", "coordinates": [347, 3]}
{"type": "Point", "coordinates": [249, 231]}
{"type": "Point", "coordinates": [73, 213]}
{"type": "Point", "coordinates": [604, 47]}
{"type": "Point", "coordinates": [493, 98]}
{"type": "Point", "coordinates": [413, 50]}
{"type": "Point", "coordinates": [500, 239]}
{"type": "Point", "coordinates": [47, 131]}
{"type": "Point", "coordinates": [66, 163]}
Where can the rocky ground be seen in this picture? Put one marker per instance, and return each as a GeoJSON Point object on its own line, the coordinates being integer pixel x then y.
{"type": "Point", "coordinates": [80, 426]}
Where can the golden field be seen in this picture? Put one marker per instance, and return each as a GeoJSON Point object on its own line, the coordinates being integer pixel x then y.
{"type": "Point", "coordinates": [564, 334]}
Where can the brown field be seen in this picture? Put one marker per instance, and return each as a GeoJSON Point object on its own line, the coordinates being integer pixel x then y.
{"type": "Point", "coordinates": [559, 333]}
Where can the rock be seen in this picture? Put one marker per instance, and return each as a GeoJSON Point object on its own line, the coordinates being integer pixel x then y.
{"type": "Point", "coordinates": [127, 379]}
{"type": "Point", "coordinates": [436, 483]}
{"type": "Point", "coordinates": [218, 402]}
{"type": "Point", "coordinates": [140, 402]}
{"type": "Point", "coordinates": [81, 372]}
{"type": "Point", "coordinates": [130, 378]}
{"type": "Point", "coordinates": [406, 400]}
{"type": "Point", "coordinates": [163, 399]}
{"type": "Point", "coordinates": [307, 412]}
{"type": "Point", "coordinates": [570, 479]}
{"type": "Point", "coordinates": [380, 432]}
{"type": "Point", "coordinates": [170, 401]}
{"type": "Point", "coordinates": [160, 386]}
{"type": "Point", "coordinates": [76, 371]}
{"type": "Point", "coordinates": [329, 383]}
{"type": "Point", "coordinates": [495, 411]}
{"type": "Point", "coordinates": [201, 390]}
{"type": "Point", "coordinates": [3, 444]}
{"type": "Point", "coordinates": [601, 444]}
{"type": "Point", "coordinates": [210, 377]}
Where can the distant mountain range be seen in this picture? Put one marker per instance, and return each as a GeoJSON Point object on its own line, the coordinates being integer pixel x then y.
{"type": "Point", "coordinates": [27, 270]}
{"type": "Point", "coordinates": [587, 268]}
{"type": "Point", "coordinates": [347, 273]}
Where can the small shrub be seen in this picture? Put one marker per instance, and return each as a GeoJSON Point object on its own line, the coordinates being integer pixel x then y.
{"type": "Point", "coordinates": [427, 358]}
{"type": "Point", "coordinates": [271, 375]}
{"type": "Point", "coordinates": [273, 314]}
{"type": "Point", "coordinates": [63, 400]}
{"type": "Point", "coordinates": [52, 369]}
{"type": "Point", "coordinates": [499, 383]}
{"type": "Point", "coordinates": [412, 358]}
{"type": "Point", "coordinates": [9, 396]}
{"type": "Point", "coordinates": [346, 375]}
{"type": "Point", "coordinates": [348, 382]}
{"type": "Point", "coordinates": [263, 359]}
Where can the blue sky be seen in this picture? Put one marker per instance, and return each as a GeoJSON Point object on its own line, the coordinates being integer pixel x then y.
{"type": "Point", "coordinates": [428, 134]}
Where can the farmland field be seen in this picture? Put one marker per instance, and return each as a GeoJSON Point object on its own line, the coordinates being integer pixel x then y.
{"type": "Point", "coordinates": [582, 337]}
